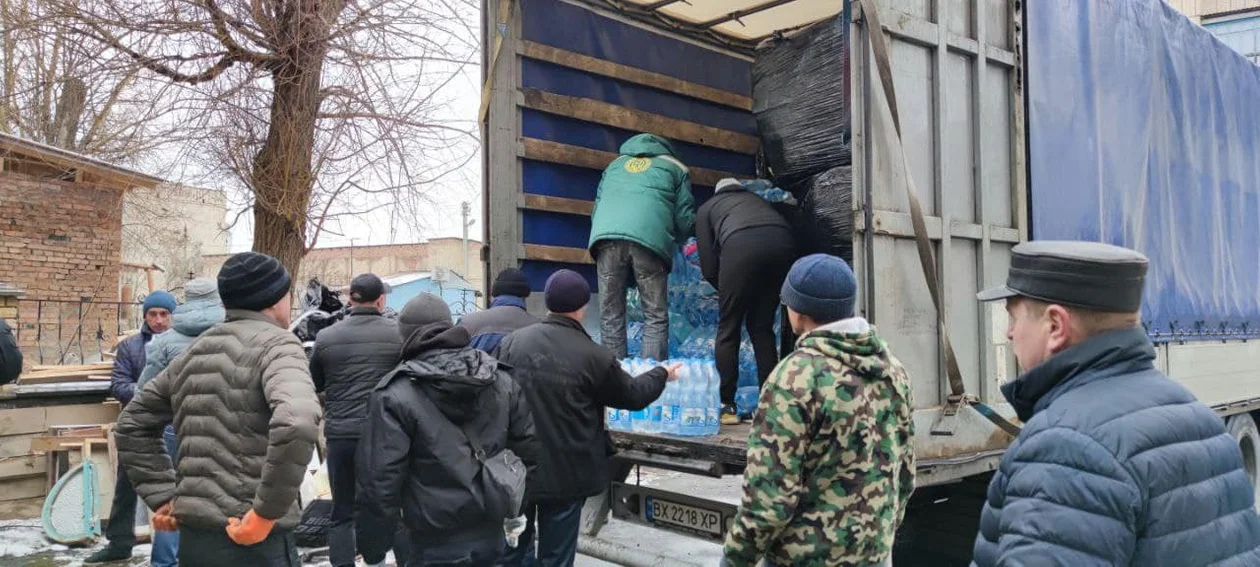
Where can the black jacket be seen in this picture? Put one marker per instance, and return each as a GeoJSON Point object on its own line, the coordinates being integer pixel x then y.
{"type": "Point", "coordinates": [569, 380]}
{"type": "Point", "coordinates": [414, 456]}
{"type": "Point", "coordinates": [732, 210]}
{"type": "Point", "coordinates": [10, 356]}
{"type": "Point", "coordinates": [348, 360]}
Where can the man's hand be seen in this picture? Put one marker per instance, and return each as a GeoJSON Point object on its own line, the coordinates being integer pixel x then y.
{"type": "Point", "coordinates": [250, 530]}
{"type": "Point", "coordinates": [163, 519]}
{"type": "Point", "coordinates": [673, 370]}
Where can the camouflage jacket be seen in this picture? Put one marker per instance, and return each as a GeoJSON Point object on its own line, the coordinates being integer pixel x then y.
{"type": "Point", "coordinates": [830, 461]}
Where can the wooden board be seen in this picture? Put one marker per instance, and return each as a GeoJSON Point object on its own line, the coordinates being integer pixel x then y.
{"type": "Point", "coordinates": [24, 509]}
{"type": "Point", "coordinates": [26, 487]}
{"type": "Point", "coordinates": [16, 445]}
{"type": "Point", "coordinates": [562, 254]}
{"type": "Point", "coordinates": [44, 444]}
{"type": "Point", "coordinates": [559, 205]}
{"type": "Point", "coordinates": [600, 112]}
{"type": "Point", "coordinates": [22, 466]}
{"type": "Point", "coordinates": [630, 74]}
{"type": "Point", "coordinates": [577, 156]}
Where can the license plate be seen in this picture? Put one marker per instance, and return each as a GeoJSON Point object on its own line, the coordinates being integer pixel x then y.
{"type": "Point", "coordinates": [683, 516]}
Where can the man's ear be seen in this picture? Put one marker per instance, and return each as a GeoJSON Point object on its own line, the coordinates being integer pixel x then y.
{"type": "Point", "coordinates": [1061, 331]}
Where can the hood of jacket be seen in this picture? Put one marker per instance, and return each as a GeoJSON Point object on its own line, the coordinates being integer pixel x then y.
{"type": "Point", "coordinates": [854, 343]}
{"type": "Point", "coordinates": [453, 375]}
{"type": "Point", "coordinates": [647, 145]}
{"type": "Point", "coordinates": [196, 317]}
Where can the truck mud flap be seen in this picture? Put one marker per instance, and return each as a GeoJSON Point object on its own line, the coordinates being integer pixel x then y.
{"type": "Point", "coordinates": [687, 515]}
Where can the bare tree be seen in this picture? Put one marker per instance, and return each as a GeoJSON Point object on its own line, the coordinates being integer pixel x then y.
{"type": "Point", "coordinates": [58, 90]}
{"type": "Point", "coordinates": [315, 107]}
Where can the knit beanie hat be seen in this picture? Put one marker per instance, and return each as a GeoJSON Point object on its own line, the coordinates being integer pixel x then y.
{"type": "Point", "coordinates": [510, 281]}
{"type": "Point", "coordinates": [821, 287]}
{"type": "Point", "coordinates": [566, 292]}
{"type": "Point", "coordinates": [253, 281]}
{"type": "Point", "coordinates": [421, 311]}
{"type": "Point", "coordinates": [201, 289]}
{"type": "Point", "coordinates": [160, 300]}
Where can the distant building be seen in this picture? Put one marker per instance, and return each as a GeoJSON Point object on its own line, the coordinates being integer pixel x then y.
{"type": "Point", "coordinates": [335, 267]}
{"type": "Point", "coordinates": [172, 227]}
{"type": "Point", "coordinates": [1235, 22]}
{"type": "Point", "coordinates": [458, 293]}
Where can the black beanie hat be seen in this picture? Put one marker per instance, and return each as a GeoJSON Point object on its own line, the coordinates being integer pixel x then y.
{"type": "Point", "coordinates": [510, 281]}
{"type": "Point", "coordinates": [252, 281]}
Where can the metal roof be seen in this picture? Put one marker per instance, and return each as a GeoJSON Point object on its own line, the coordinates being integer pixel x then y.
{"type": "Point", "coordinates": [65, 158]}
{"type": "Point", "coordinates": [734, 23]}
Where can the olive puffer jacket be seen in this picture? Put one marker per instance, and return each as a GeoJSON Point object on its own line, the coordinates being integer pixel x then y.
{"type": "Point", "coordinates": [245, 410]}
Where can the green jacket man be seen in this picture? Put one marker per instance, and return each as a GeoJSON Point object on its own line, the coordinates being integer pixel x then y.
{"type": "Point", "coordinates": [830, 457]}
{"type": "Point", "coordinates": [644, 210]}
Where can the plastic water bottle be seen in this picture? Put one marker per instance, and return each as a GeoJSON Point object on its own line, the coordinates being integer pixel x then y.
{"type": "Point", "coordinates": [669, 408]}
{"type": "Point", "coordinates": [713, 401]}
{"type": "Point", "coordinates": [654, 409]}
{"type": "Point", "coordinates": [696, 405]}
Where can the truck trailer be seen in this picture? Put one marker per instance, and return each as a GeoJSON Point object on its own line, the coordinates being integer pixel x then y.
{"type": "Point", "coordinates": [1108, 120]}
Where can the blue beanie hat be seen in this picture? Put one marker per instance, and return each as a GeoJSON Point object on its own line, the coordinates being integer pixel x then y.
{"type": "Point", "coordinates": [821, 287]}
{"type": "Point", "coordinates": [161, 300]}
{"type": "Point", "coordinates": [566, 292]}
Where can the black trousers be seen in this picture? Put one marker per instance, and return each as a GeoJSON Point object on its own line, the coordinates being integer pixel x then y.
{"type": "Point", "coordinates": [753, 264]}
{"type": "Point", "coordinates": [121, 530]}
{"type": "Point", "coordinates": [343, 481]}
{"type": "Point", "coordinates": [213, 548]}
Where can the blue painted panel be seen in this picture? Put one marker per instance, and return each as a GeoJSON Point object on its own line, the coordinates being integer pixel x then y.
{"type": "Point", "coordinates": [1144, 132]}
{"type": "Point", "coordinates": [537, 273]}
{"type": "Point", "coordinates": [572, 82]}
{"type": "Point", "coordinates": [555, 180]}
{"type": "Point", "coordinates": [556, 229]}
{"type": "Point", "coordinates": [574, 28]}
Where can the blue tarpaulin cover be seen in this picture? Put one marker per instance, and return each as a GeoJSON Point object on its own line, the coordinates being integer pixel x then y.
{"type": "Point", "coordinates": [1144, 132]}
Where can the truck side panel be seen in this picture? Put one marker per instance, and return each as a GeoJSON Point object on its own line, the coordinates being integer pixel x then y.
{"type": "Point", "coordinates": [957, 72]}
{"type": "Point", "coordinates": [587, 81]}
{"type": "Point", "coordinates": [1146, 132]}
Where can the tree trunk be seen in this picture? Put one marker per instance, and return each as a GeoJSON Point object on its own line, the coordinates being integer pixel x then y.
{"type": "Point", "coordinates": [282, 175]}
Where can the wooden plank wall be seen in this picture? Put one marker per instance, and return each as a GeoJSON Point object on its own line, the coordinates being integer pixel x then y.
{"type": "Point", "coordinates": [22, 471]}
{"type": "Point", "coordinates": [620, 117]}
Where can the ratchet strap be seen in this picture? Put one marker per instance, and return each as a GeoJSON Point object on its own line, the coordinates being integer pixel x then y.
{"type": "Point", "coordinates": [927, 257]}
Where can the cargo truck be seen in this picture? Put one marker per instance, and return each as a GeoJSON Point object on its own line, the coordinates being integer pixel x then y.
{"type": "Point", "coordinates": [1112, 120]}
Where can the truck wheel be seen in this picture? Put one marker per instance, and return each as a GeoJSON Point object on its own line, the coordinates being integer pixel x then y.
{"type": "Point", "coordinates": [1244, 430]}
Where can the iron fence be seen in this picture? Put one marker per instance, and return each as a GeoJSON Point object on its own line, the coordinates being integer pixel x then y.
{"type": "Point", "coordinates": [60, 331]}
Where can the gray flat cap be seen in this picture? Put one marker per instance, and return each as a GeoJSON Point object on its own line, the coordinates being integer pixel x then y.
{"type": "Point", "coordinates": [1089, 275]}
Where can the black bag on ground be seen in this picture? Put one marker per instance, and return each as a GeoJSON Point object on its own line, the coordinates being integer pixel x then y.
{"type": "Point", "coordinates": [312, 529]}
{"type": "Point", "coordinates": [825, 221]}
{"type": "Point", "coordinates": [801, 100]}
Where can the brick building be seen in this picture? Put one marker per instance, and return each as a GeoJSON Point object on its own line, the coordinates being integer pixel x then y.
{"type": "Point", "coordinates": [336, 266]}
{"type": "Point", "coordinates": [61, 249]}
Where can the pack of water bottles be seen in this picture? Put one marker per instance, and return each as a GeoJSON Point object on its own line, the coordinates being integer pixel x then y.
{"type": "Point", "coordinates": [690, 406]}
{"type": "Point", "coordinates": [693, 315]}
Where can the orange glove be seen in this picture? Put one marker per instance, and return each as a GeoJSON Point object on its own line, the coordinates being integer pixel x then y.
{"type": "Point", "coordinates": [163, 519]}
{"type": "Point", "coordinates": [250, 530]}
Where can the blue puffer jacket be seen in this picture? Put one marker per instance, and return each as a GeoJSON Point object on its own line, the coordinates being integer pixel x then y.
{"type": "Point", "coordinates": [1116, 465]}
{"type": "Point", "coordinates": [188, 322]}
{"type": "Point", "coordinates": [128, 364]}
